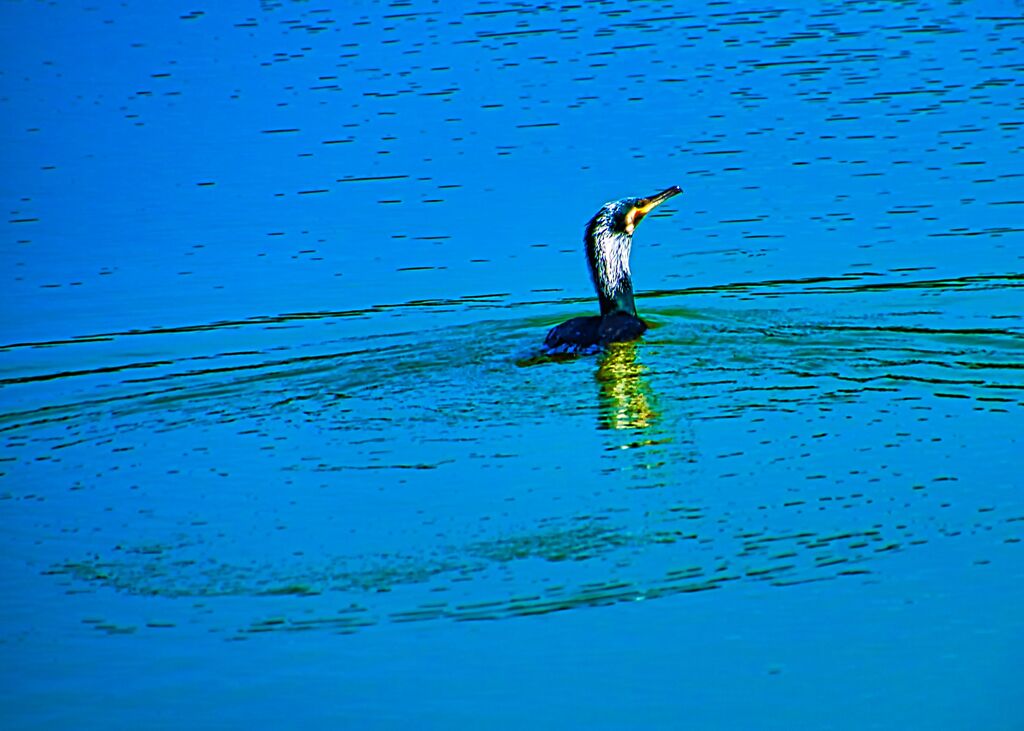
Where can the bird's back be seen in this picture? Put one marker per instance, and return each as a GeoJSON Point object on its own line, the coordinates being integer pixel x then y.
{"type": "Point", "coordinates": [585, 334]}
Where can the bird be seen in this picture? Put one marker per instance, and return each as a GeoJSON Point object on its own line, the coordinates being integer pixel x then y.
{"type": "Point", "coordinates": [608, 239]}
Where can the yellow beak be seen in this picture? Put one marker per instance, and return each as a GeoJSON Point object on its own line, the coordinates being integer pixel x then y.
{"type": "Point", "coordinates": [646, 205]}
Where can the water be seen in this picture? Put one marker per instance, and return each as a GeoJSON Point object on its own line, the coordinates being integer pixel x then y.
{"type": "Point", "coordinates": [278, 445]}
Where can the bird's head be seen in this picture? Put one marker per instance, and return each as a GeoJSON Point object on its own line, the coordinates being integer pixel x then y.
{"type": "Point", "coordinates": [623, 216]}
{"type": "Point", "coordinates": [608, 240]}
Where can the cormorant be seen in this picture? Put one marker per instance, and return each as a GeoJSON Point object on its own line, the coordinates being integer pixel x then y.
{"type": "Point", "coordinates": [608, 239]}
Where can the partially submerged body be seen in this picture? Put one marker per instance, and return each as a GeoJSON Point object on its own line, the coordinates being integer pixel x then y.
{"type": "Point", "coordinates": [593, 333]}
{"type": "Point", "coordinates": [608, 241]}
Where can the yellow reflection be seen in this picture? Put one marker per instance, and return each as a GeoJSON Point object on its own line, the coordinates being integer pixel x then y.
{"type": "Point", "coordinates": [627, 401]}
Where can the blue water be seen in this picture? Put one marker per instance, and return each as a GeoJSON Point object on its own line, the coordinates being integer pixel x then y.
{"type": "Point", "coordinates": [280, 448]}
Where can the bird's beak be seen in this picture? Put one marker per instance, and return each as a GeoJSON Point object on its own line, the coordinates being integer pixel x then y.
{"type": "Point", "coordinates": [646, 205]}
{"type": "Point", "coordinates": [658, 198]}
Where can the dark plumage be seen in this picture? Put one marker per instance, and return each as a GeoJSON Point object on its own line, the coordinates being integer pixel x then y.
{"type": "Point", "coordinates": [608, 240]}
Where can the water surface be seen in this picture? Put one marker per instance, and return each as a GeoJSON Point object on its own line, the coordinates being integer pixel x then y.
{"type": "Point", "coordinates": [279, 446]}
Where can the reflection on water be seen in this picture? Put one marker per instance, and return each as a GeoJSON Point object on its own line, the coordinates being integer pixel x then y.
{"type": "Point", "coordinates": [624, 393]}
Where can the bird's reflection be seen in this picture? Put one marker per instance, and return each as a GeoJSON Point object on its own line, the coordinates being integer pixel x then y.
{"type": "Point", "coordinates": [657, 446]}
{"type": "Point", "coordinates": [625, 395]}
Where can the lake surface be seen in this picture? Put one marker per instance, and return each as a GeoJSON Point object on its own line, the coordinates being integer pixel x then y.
{"type": "Point", "coordinates": [280, 447]}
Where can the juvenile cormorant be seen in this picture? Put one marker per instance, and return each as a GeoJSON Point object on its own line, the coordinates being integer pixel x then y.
{"type": "Point", "coordinates": [608, 239]}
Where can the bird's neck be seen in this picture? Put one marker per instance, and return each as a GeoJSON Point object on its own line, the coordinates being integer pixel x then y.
{"type": "Point", "coordinates": [608, 257]}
